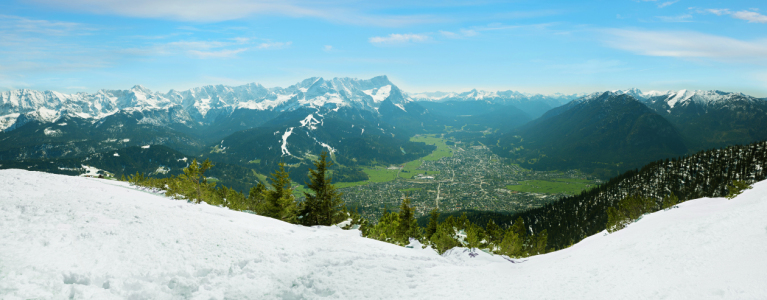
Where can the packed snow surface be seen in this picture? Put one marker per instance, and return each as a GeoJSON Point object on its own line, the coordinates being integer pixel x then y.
{"type": "Point", "coordinates": [82, 238]}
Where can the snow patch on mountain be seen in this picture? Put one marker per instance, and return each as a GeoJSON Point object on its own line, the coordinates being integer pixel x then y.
{"type": "Point", "coordinates": [379, 94]}
{"type": "Point", "coordinates": [284, 145]}
{"type": "Point", "coordinates": [8, 120]}
{"type": "Point", "coordinates": [310, 122]}
{"type": "Point", "coordinates": [52, 132]}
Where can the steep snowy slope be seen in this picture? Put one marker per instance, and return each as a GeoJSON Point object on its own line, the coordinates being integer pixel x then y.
{"type": "Point", "coordinates": [77, 238]}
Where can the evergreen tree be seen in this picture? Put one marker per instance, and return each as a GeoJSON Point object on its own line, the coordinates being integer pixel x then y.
{"type": "Point", "coordinates": [279, 201]}
{"type": "Point", "coordinates": [538, 243]}
{"type": "Point", "coordinates": [736, 188]}
{"type": "Point", "coordinates": [323, 205]}
{"type": "Point", "coordinates": [494, 232]}
{"type": "Point", "coordinates": [195, 186]}
{"type": "Point", "coordinates": [473, 236]}
{"type": "Point", "coordinates": [444, 238]}
{"type": "Point", "coordinates": [256, 201]}
{"type": "Point", "coordinates": [511, 245]}
{"type": "Point", "coordinates": [408, 225]}
{"type": "Point", "coordinates": [669, 201]}
{"type": "Point", "coordinates": [433, 222]}
{"type": "Point", "coordinates": [386, 229]}
{"type": "Point", "coordinates": [519, 228]}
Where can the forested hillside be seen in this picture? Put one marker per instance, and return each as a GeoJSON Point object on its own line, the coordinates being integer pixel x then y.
{"type": "Point", "coordinates": [704, 174]}
{"type": "Point", "coordinates": [602, 135]}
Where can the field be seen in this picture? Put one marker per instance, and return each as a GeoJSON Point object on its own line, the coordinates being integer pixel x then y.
{"type": "Point", "coordinates": [410, 169]}
{"type": "Point", "coordinates": [569, 186]}
{"type": "Point", "coordinates": [442, 149]}
{"type": "Point", "coordinates": [375, 174]}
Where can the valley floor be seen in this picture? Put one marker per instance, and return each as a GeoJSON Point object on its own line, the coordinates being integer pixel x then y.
{"type": "Point", "coordinates": [80, 238]}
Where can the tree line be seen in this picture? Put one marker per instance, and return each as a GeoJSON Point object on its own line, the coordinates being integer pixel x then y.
{"type": "Point", "coordinates": [557, 225]}
{"type": "Point", "coordinates": [323, 206]}
{"type": "Point", "coordinates": [713, 173]}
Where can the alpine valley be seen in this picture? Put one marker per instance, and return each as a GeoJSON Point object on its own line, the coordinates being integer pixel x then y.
{"type": "Point", "coordinates": [497, 151]}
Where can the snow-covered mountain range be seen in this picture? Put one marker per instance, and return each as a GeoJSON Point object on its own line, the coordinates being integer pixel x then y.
{"type": "Point", "coordinates": [503, 97]}
{"type": "Point", "coordinates": [677, 99]}
{"type": "Point", "coordinates": [201, 104]}
{"type": "Point", "coordinates": [204, 105]}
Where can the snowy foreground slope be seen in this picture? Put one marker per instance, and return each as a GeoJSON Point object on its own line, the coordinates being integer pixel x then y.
{"type": "Point", "coordinates": [80, 238]}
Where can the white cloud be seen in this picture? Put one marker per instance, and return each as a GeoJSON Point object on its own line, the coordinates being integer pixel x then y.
{"type": "Point", "coordinates": [53, 28]}
{"type": "Point", "coordinates": [273, 45]}
{"type": "Point", "coordinates": [460, 34]}
{"type": "Point", "coordinates": [750, 16]}
{"type": "Point", "coordinates": [198, 44]}
{"type": "Point", "coordinates": [241, 40]}
{"type": "Point", "coordinates": [205, 49]}
{"type": "Point", "coordinates": [328, 48]}
{"type": "Point", "coordinates": [216, 54]}
{"type": "Point", "coordinates": [686, 44]}
{"type": "Point", "coordinates": [396, 38]}
{"type": "Point", "coordinates": [353, 12]}
{"type": "Point", "coordinates": [679, 18]}
{"type": "Point", "coordinates": [718, 11]}
{"type": "Point", "coordinates": [664, 4]}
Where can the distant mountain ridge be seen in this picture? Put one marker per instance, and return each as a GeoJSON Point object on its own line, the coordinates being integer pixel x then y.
{"type": "Point", "coordinates": [599, 134]}
{"type": "Point", "coordinates": [709, 119]}
{"type": "Point", "coordinates": [201, 105]}
{"type": "Point", "coordinates": [534, 105]}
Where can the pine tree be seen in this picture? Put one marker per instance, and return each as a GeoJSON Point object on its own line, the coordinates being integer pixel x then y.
{"type": "Point", "coordinates": [323, 205]}
{"type": "Point", "coordinates": [256, 201]}
{"type": "Point", "coordinates": [736, 188]}
{"type": "Point", "coordinates": [494, 232]}
{"type": "Point", "coordinates": [473, 236]}
{"type": "Point", "coordinates": [386, 229]}
{"type": "Point", "coordinates": [511, 245]}
{"type": "Point", "coordinates": [196, 188]}
{"type": "Point", "coordinates": [519, 228]}
{"type": "Point", "coordinates": [408, 225]}
{"type": "Point", "coordinates": [280, 203]}
{"type": "Point", "coordinates": [669, 201]}
{"type": "Point", "coordinates": [444, 238]}
{"type": "Point", "coordinates": [433, 222]}
{"type": "Point", "coordinates": [539, 241]}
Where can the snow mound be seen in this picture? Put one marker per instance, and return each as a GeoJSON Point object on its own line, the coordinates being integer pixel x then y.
{"type": "Point", "coordinates": [84, 238]}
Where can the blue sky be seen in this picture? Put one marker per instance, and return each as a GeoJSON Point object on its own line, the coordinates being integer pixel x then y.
{"type": "Point", "coordinates": [450, 45]}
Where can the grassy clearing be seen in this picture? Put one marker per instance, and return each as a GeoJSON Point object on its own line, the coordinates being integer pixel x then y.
{"type": "Point", "coordinates": [260, 176]}
{"type": "Point", "coordinates": [409, 170]}
{"type": "Point", "coordinates": [569, 186]}
{"type": "Point", "coordinates": [375, 174]}
{"type": "Point", "coordinates": [443, 150]}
